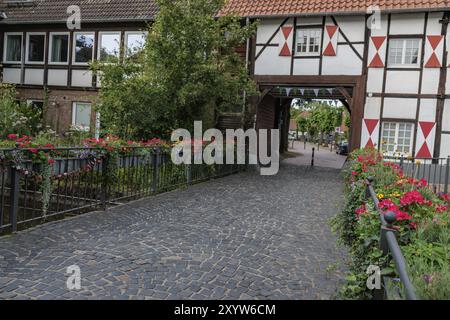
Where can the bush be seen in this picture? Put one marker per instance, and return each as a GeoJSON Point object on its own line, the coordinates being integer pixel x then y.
{"type": "Point", "coordinates": [422, 227]}
{"type": "Point", "coordinates": [16, 117]}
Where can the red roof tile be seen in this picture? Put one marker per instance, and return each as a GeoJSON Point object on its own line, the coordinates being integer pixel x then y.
{"type": "Point", "coordinates": [257, 8]}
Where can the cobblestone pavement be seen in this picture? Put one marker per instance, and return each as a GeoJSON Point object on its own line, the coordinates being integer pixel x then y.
{"type": "Point", "coordinates": [240, 237]}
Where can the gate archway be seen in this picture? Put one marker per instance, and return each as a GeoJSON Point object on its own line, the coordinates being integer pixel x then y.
{"type": "Point", "coordinates": [277, 93]}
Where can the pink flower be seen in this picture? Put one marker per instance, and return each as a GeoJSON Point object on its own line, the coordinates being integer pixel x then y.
{"type": "Point", "coordinates": [12, 136]}
{"type": "Point", "coordinates": [33, 150]}
{"type": "Point", "coordinates": [354, 173]}
{"type": "Point", "coordinates": [413, 197]}
{"type": "Point", "coordinates": [361, 210]}
{"type": "Point", "coordinates": [387, 205]}
{"type": "Point", "coordinates": [401, 215]}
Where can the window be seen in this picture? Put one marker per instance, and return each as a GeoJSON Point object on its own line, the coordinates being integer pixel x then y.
{"type": "Point", "coordinates": [109, 46]}
{"type": "Point", "coordinates": [35, 47]}
{"type": "Point", "coordinates": [13, 47]}
{"type": "Point", "coordinates": [134, 42]}
{"type": "Point", "coordinates": [83, 47]}
{"type": "Point", "coordinates": [308, 41]}
{"type": "Point", "coordinates": [404, 52]}
{"type": "Point", "coordinates": [397, 137]}
{"type": "Point", "coordinates": [59, 48]}
{"type": "Point", "coordinates": [81, 115]}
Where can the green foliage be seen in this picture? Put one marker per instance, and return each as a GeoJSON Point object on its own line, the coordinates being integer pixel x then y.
{"type": "Point", "coordinates": [423, 229]}
{"type": "Point", "coordinates": [189, 70]}
{"type": "Point", "coordinates": [16, 117]}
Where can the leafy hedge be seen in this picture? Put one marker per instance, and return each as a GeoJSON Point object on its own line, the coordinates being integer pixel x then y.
{"type": "Point", "coordinates": [423, 227]}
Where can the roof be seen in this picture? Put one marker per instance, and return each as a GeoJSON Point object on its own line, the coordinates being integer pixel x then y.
{"type": "Point", "coordinates": [263, 8]}
{"type": "Point", "coordinates": [55, 11]}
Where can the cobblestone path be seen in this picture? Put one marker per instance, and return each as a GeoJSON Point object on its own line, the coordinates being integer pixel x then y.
{"type": "Point", "coordinates": [241, 237]}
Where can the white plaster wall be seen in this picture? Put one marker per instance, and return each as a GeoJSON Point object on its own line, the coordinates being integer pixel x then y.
{"type": "Point", "coordinates": [445, 145]}
{"type": "Point", "coordinates": [446, 116]}
{"type": "Point", "coordinates": [433, 25]}
{"type": "Point", "coordinates": [430, 80]}
{"type": "Point", "coordinates": [267, 27]}
{"type": "Point", "coordinates": [11, 75]}
{"type": "Point", "coordinates": [427, 110]}
{"type": "Point", "coordinates": [375, 80]}
{"type": "Point", "coordinates": [309, 20]}
{"type": "Point", "coordinates": [34, 76]}
{"type": "Point", "coordinates": [57, 77]}
{"type": "Point", "coordinates": [344, 63]}
{"type": "Point", "coordinates": [352, 26]}
{"type": "Point", "coordinates": [306, 67]}
{"type": "Point", "coordinates": [372, 108]}
{"type": "Point", "coordinates": [407, 23]}
{"type": "Point", "coordinates": [402, 81]}
{"type": "Point", "coordinates": [81, 78]}
{"type": "Point", "coordinates": [400, 108]}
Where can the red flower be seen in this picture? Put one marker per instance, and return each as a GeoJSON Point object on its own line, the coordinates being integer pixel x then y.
{"type": "Point", "coordinates": [413, 197]}
{"type": "Point", "coordinates": [51, 161]}
{"type": "Point", "coordinates": [361, 210]}
{"type": "Point", "coordinates": [33, 150]}
{"type": "Point", "coordinates": [387, 205]}
{"type": "Point", "coordinates": [12, 136]}
{"type": "Point", "coordinates": [401, 215]}
{"type": "Point", "coordinates": [441, 208]}
{"type": "Point", "coordinates": [354, 173]}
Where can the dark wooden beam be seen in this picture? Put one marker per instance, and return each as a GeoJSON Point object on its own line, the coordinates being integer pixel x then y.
{"type": "Point", "coordinates": [332, 81]}
{"type": "Point", "coordinates": [346, 95]}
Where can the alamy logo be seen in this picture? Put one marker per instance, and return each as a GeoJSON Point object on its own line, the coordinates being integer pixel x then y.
{"type": "Point", "coordinates": [213, 153]}
{"type": "Point", "coordinates": [74, 280]}
{"type": "Point", "coordinates": [374, 20]}
{"type": "Point", "coordinates": [74, 20]}
{"type": "Point", "coordinates": [374, 279]}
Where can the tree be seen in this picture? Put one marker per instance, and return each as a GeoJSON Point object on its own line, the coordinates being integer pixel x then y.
{"type": "Point", "coordinates": [188, 70]}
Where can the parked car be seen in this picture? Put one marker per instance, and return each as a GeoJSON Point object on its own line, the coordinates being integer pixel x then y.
{"type": "Point", "coordinates": [342, 148]}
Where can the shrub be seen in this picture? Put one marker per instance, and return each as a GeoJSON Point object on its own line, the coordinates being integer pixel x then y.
{"type": "Point", "coordinates": [16, 117]}
{"type": "Point", "coordinates": [422, 227]}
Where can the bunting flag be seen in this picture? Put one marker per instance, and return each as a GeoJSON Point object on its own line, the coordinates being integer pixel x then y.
{"type": "Point", "coordinates": [316, 92]}
{"type": "Point", "coordinates": [302, 91]}
{"type": "Point", "coordinates": [369, 135]}
{"type": "Point", "coordinates": [377, 52]}
{"type": "Point", "coordinates": [330, 40]}
{"type": "Point", "coordinates": [330, 91]}
{"type": "Point", "coordinates": [288, 91]}
{"type": "Point", "coordinates": [286, 41]}
{"type": "Point", "coordinates": [425, 139]}
{"type": "Point", "coordinates": [434, 47]}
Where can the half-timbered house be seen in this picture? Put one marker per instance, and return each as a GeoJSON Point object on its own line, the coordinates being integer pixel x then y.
{"type": "Point", "coordinates": [386, 61]}
{"type": "Point", "coordinates": [46, 55]}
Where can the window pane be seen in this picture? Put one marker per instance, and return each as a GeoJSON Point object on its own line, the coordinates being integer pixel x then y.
{"type": "Point", "coordinates": [308, 40]}
{"type": "Point", "coordinates": [14, 48]}
{"type": "Point", "coordinates": [135, 42]}
{"type": "Point", "coordinates": [84, 44]}
{"type": "Point", "coordinates": [60, 45]}
{"type": "Point", "coordinates": [82, 115]}
{"type": "Point", "coordinates": [36, 44]}
{"type": "Point", "coordinates": [109, 47]}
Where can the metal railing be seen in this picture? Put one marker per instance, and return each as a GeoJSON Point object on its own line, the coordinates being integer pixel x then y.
{"type": "Point", "coordinates": [83, 179]}
{"type": "Point", "coordinates": [389, 244]}
{"type": "Point", "coordinates": [435, 170]}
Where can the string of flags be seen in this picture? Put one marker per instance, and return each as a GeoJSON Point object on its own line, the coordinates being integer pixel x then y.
{"type": "Point", "coordinates": [301, 91]}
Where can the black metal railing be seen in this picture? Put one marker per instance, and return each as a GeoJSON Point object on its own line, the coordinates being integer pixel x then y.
{"type": "Point", "coordinates": [389, 245]}
{"type": "Point", "coordinates": [435, 170]}
{"type": "Point", "coordinates": [83, 179]}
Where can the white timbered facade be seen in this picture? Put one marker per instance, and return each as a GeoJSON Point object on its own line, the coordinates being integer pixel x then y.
{"type": "Point", "coordinates": [398, 61]}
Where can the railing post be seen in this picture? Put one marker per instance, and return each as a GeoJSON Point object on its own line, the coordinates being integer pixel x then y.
{"type": "Point", "coordinates": [402, 160]}
{"type": "Point", "coordinates": [312, 157]}
{"type": "Point", "coordinates": [155, 165]}
{"type": "Point", "coordinates": [447, 175]}
{"type": "Point", "coordinates": [14, 197]}
{"type": "Point", "coordinates": [105, 181]}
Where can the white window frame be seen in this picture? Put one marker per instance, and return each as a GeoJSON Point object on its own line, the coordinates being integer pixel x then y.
{"type": "Point", "coordinates": [5, 41]}
{"type": "Point", "coordinates": [100, 42]}
{"type": "Point", "coordinates": [27, 49]}
{"type": "Point", "coordinates": [404, 65]}
{"type": "Point", "coordinates": [127, 33]}
{"type": "Point", "coordinates": [51, 47]}
{"type": "Point", "coordinates": [308, 53]}
{"type": "Point", "coordinates": [397, 125]}
{"type": "Point", "coordinates": [74, 47]}
{"type": "Point", "coordinates": [74, 114]}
